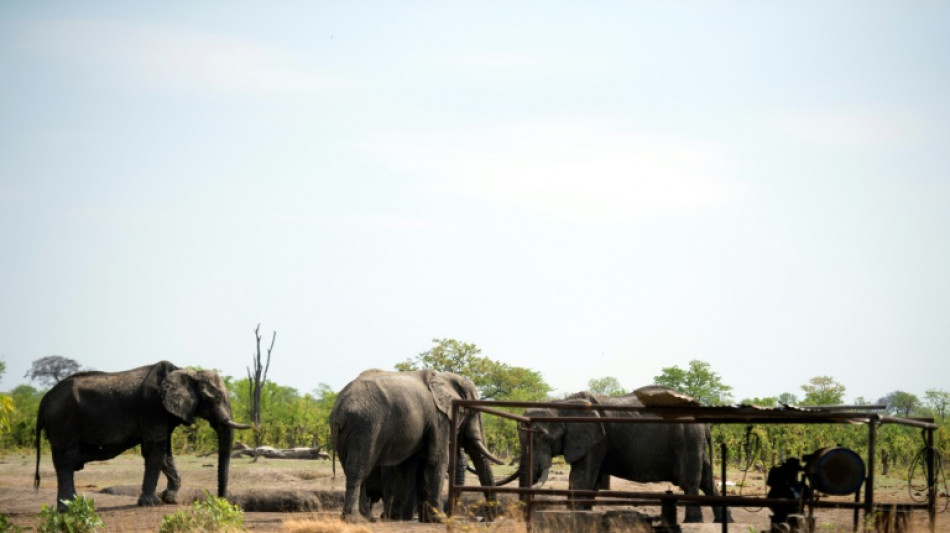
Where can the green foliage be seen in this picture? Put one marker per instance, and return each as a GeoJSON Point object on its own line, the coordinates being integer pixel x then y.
{"type": "Point", "coordinates": [787, 398]}
{"type": "Point", "coordinates": [761, 402]}
{"type": "Point", "coordinates": [209, 515]}
{"type": "Point", "coordinates": [608, 386]}
{"type": "Point", "coordinates": [289, 419]}
{"type": "Point", "coordinates": [823, 390]}
{"type": "Point", "coordinates": [495, 380]}
{"type": "Point", "coordinates": [937, 400]}
{"type": "Point", "coordinates": [6, 526]}
{"type": "Point", "coordinates": [80, 517]}
{"type": "Point", "coordinates": [699, 381]}
{"type": "Point", "coordinates": [900, 403]}
{"type": "Point", "coordinates": [22, 419]}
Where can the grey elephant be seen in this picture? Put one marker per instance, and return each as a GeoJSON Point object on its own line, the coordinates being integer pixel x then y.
{"type": "Point", "coordinates": [391, 419]}
{"type": "Point", "coordinates": [675, 453]}
{"type": "Point", "coordinates": [94, 416]}
{"type": "Point", "coordinates": [399, 487]}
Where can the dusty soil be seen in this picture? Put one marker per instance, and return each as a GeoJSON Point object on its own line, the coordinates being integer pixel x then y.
{"type": "Point", "coordinates": [269, 480]}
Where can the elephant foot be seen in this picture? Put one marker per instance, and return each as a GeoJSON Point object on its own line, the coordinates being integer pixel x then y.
{"type": "Point", "coordinates": [61, 506]}
{"type": "Point", "coordinates": [149, 500]}
{"type": "Point", "coordinates": [170, 496]}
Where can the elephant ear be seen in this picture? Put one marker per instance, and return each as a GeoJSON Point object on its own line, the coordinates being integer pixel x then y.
{"type": "Point", "coordinates": [580, 438]}
{"type": "Point", "coordinates": [442, 391]}
{"type": "Point", "coordinates": [179, 396]}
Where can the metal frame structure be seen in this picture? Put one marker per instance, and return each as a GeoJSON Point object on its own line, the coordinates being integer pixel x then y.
{"type": "Point", "coordinates": [699, 415]}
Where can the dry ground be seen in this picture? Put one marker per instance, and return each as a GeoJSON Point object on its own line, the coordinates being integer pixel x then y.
{"type": "Point", "coordinates": [280, 476]}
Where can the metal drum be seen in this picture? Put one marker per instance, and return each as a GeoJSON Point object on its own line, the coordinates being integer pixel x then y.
{"type": "Point", "coordinates": [835, 471]}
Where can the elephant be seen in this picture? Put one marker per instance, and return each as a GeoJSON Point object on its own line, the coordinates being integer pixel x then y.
{"type": "Point", "coordinates": [95, 416]}
{"type": "Point", "coordinates": [644, 453]}
{"type": "Point", "coordinates": [399, 487]}
{"type": "Point", "coordinates": [391, 419]}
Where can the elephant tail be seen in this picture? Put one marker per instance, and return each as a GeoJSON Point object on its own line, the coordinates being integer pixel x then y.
{"type": "Point", "coordinates": [36, 476]}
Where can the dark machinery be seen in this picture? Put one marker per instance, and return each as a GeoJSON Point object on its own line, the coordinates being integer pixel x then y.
{"type": "Point", "coordinates": [833, 471]}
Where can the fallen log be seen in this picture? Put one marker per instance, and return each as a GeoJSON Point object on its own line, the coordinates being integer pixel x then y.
{"type": "Point", "coordinates": [270, 452]}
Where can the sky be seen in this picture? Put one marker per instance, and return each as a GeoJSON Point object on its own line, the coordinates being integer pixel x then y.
{"type": "Point", "coordinates": [583, 189]}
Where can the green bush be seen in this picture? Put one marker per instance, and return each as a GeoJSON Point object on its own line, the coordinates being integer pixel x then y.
{"type": "Point", "coordinates": [8, 527]}
{"type": "Point", "coordinates": [211, 514]}
{"type": "Point", "coordinates": [80, 517]}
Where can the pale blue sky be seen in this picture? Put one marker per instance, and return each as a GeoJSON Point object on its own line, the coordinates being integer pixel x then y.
{"type": "Point", "coordinates": [585, 189]}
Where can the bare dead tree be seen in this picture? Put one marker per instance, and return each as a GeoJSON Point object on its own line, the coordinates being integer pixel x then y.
{"type": "Point", "coordinates": [256, 383]}
{"type": "Point", "coordinates": [51, 369]}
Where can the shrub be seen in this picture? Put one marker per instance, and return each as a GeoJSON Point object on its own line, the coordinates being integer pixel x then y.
{"type": "Point", "coordinates": [211, 514]}
{"type": "Point", "coordinates": [80, 517]}
{"type": "Point", "coordinates": [9, 527]}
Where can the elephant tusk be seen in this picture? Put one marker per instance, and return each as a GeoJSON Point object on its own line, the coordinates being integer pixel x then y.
{"type": "Point", "coordinates": [508, 479]}
{"type": "Point", "coordinates": [234, 425]}
{"type": "Point", "coordinates": [484, 451]}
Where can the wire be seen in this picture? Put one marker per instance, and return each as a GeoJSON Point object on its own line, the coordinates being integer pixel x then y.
{"type": "Point", "coordinates": [940, 477]}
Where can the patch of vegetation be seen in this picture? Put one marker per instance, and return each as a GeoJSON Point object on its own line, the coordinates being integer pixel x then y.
{"type": "Point", "coordinates": [6, 526]}
{"type": "Point", "coordinates": [212, 514]}
{"type": "Point", "coordinates": [80, 517]}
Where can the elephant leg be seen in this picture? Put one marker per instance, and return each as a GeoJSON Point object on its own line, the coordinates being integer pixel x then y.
{"type": "Point", "coordinates": [356, 468]}
{"type": "Point", "coordinates": [432, 504]}
{"type": "Point", "coordinates": [65, 464]}
{"type": "Point", "coordinates": [154, 456]}
{"type": "Point", "coordinates": [585, 474]}
{"type": "Point", "coordinates": [694, 513]}
{"type": "Point", "coordinates": [170, 494]}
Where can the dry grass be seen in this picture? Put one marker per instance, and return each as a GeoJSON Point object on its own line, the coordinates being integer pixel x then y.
{"type": "Point", "coordinates": [323, 525]}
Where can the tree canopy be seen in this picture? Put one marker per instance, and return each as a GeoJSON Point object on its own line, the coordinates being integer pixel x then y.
{"type": "Point", "coordinates": [51, 369]}
{"type": "Point", "coordinates": [823, 390]}
{"type": "Point", "coordinates": [495, 380]}
{"type": "Point", "coordinates": [938, 401]}
{"type": "Point", "coordinates": [900, 403]}
{"type": "Point", "coordinates": [699, 381]}
{"type": "Point", "coordinates": [607, 385]}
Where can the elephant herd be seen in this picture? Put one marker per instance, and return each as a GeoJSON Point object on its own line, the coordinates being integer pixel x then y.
{"type": "Point", "coordinates": [391, 431]}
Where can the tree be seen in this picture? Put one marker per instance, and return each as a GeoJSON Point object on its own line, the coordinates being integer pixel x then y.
{"type": "Point", "coordinates": [7, 407]}
{"type": "Point", "coordinates": [823, 390]}
{"type": "Point", "coordinates": [768, 401]}
{"type": "Point", "coordinates": [787, 398]}
{"type": "Point", "coordinates": [608, 386]}
{"type": "Point", "coordinates": [699, 381]}
{"type": "Point", "coordinates": [495, 380]}
{"type": "Point", "coordinates": [256, 383]}
{"type": "Point", "coordinates": [938, 401]}
{"type": "Point", "coordinates": [51, 369]}
{"type": "Point", "coordinates": [900, 403]}
{"type": "Point", "coordinates": [448, 355]}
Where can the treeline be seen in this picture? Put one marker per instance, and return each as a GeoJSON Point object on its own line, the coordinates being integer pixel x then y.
{"type": "Point", "coordinates": [292, 419]}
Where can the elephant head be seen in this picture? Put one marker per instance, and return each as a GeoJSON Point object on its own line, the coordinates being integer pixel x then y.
{"type": "Point", "coordinates": [445, 387]}
{"type": "Point", "coordinates": [575, 441]}
{"type": "Point", "coordinates": [187, 394]}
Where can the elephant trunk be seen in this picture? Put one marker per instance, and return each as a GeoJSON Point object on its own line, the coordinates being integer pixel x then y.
{"type": "Point", "coordinates": [539, 474]}
{"type": "Point", "coordinates": [523, 469]}
{"type": "Point", "coordinates": [225, 440]}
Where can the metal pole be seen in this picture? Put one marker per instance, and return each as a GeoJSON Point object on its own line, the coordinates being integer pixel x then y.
{"type": "Point", "coordinates": [931, 480]}
{"type": "Point", "coordinates": [869, 482]}
{"type": "Point", "coordinates": [528, 465]}
{"type": "Point", "coordinates": [453, 459]}
{"type": "Point", "coordinates": [722, 514]}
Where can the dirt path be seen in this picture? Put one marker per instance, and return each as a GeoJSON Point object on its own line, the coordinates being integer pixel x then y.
{"type": "Point", "coordinates": [121, 514]}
